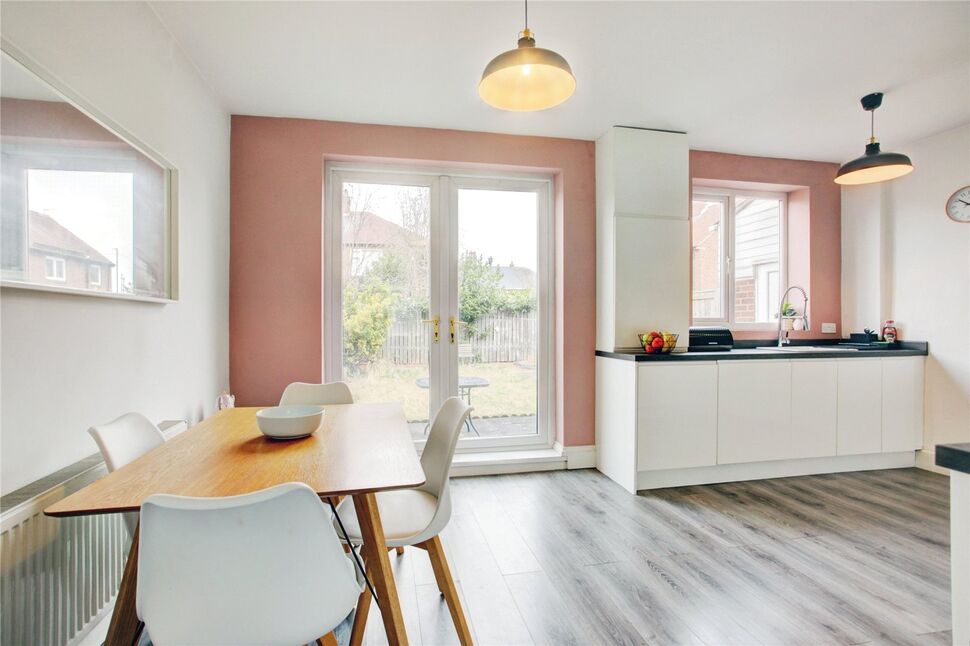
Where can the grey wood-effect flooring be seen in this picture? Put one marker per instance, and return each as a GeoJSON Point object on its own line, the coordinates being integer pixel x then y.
{"type": "Point", "coordinates": [568, 557]}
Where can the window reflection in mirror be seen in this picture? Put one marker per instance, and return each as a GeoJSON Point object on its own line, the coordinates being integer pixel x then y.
{"type": "Point", "coordinates": [82, 209]}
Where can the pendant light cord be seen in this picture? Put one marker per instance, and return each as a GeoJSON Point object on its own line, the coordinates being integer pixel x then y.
{"type": "Point", "coordinates": [872, 124]}
{"type": "Point", "coordinates": [526, 14]}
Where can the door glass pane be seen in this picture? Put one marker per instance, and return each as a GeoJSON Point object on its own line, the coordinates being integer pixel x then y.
{"type": "Point", "coordinates": [498, 310]}
{"type": "Point", "coordinates": [757, 258]}
{"type": "Point", "coordinates": [386, 289]}
{"type": "Point", "coordinates": [707, 253]}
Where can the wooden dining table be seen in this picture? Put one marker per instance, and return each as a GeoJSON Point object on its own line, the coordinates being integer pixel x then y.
{"type": "Point", "coordinates": [359, 450]}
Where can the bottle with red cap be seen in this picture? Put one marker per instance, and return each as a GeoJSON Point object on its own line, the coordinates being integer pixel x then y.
{"type": "Point", "coordinates": [889, 331]}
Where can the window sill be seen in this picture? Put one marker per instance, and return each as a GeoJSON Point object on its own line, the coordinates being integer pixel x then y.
{"type": "Point", "coordinates": [496, 462]}
{"type": "Point", "coordinates": [54, 289]}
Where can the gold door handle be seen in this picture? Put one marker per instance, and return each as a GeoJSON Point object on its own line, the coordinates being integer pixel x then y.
{"type": "Point", "coordinates": [452, 327]}
{"type": "Point", "coordinates": [436, 322]}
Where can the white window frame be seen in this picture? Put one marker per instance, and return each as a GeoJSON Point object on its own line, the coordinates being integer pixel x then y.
{"type": "Point", "coordinates": [55, 262]}
{"type": "Point", "coordinates": [445, 183]}
{"type": "Point", "coordinates": [97, 267]}
{"type": "Point", "coordinates": [729, 196]}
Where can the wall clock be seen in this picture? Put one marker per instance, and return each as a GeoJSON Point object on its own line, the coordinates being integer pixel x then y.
{"type": "Point", "coordinates": [958, 206]}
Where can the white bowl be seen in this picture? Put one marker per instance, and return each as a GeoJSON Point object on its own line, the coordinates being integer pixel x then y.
{"type": "Point", "coordinates": [289, 422]}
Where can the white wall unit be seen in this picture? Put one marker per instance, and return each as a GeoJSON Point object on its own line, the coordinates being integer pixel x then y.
{"type": "Point", "coordinates": [860, 406]}
{"type": "Point", "coordinates": [753, 411]}
{"type": "Point", "coordinates": [677, 416]}
{"type": "Point", "coordinates": [675, 423]}
{"type": "Point", "coordinates": [902, 403]}
{"type": "Point", "coordinates": [643, 248]}
{"type": "Point", "coordinates": [814, 408]}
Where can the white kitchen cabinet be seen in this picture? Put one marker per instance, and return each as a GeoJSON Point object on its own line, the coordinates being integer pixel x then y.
{"type": "Point", "coordinates": [860, 406]}
{"type": "Point", "coordinates": [902, 403]}
{"type": "Point", "coordinates": [754, 411]}
{"type": "Point", "coordinates": [642, 235]}
{"type": "Point", "coordinates": [814, 408]}
{"type": "Point", "coordinates": [652, 172]}
{"type": "Point", "coordinates": [653, 256]}
{"type": "Point", "coordinates": [676, 415]}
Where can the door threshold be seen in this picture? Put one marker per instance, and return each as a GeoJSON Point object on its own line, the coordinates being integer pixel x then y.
{"type": "Point", "coordinates": [497, 462]}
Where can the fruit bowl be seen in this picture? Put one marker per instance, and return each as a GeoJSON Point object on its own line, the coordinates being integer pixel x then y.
{"type": "Point", "coordinates": [658, 342]}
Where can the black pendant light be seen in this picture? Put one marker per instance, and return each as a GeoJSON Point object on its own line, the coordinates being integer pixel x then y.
{"type": "Point", "coordinates": [875, 165]}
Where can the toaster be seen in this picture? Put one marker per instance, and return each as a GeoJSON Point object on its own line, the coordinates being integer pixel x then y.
{"type": "Point", "coordinates": [713, 338]}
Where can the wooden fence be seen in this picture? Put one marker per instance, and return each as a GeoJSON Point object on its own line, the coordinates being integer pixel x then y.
{"type": "Point", "coordinates": [497, 338]}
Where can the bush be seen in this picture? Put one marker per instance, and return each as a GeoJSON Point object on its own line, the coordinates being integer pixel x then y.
{"type": "Point", "coordinates": [367, 318]}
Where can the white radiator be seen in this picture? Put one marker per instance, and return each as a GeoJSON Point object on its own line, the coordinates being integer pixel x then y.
{"type": "Point", "coordinates": [57, 575]}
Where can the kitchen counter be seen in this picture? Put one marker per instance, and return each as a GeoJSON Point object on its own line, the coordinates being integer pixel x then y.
{"type": "Point", "coordinates": [954, 456]}
{"type": "Point", "coordinates": [905, 349]}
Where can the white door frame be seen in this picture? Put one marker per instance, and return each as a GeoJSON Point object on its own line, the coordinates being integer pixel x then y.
{"type": "Point", "coordinates": [444, 184]}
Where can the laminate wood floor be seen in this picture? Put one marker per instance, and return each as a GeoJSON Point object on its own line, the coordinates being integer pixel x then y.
{"type": "Point", "coordinates": [568, 557]}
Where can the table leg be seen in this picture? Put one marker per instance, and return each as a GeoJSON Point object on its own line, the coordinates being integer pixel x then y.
{"type": "Point", "coordinates": [125, 627]}
{"type": "Point", "coordinates": [378, 563]}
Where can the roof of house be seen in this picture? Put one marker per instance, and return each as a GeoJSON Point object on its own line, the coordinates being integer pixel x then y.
{"type": "Point", "coordinates": [517, 277]}
{"type": "Point", "coordinates": [47, 234]}
{"type": "Point", "coordinates": [374, 231]}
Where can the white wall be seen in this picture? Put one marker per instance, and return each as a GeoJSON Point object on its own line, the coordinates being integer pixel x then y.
{"type": "Point", "coordinates": [902, 258]}
{"type": "Point", "coordinates": [67, 362]}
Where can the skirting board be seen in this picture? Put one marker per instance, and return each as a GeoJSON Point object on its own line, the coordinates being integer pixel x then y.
{"type": "Point", "coordinates": [776, 469]}
{"type": "Point", "coordinates": [926, 460]}
{"type": "Point", "coordinates": [578, 457]}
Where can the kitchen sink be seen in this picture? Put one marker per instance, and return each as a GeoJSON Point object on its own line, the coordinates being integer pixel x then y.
{"type": "Point", "coordinates": [807, 348]}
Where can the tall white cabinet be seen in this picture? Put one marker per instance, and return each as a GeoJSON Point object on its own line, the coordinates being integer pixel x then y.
{"type": "Point", "coordinates": [642, 234]}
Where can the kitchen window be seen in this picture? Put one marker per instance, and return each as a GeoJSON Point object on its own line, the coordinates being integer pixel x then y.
{"type": "Point", "coordinates": [738, 257]}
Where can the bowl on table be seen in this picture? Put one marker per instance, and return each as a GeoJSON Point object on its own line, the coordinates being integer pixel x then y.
{"type": "Point", "coordinates": [289, 422]}
{"type": "Point", "coordinates": [658, 342]}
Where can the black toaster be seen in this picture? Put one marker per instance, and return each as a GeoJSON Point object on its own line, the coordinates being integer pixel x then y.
{"type": "Point", "coordinates": [715, 338]}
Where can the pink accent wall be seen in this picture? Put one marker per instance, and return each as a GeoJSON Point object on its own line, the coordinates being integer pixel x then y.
{"type": "Point", "coordinates": [276, 245]}
{"type": "Point", "coordinates": [814, 225]}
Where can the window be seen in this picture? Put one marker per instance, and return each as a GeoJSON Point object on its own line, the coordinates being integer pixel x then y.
{"type": "Point", "coordinates": [55, 269]}
{"type": "Point", "coordinates": [94, 275]}
{"type": "Point", "coordinates": [737, 256]}
{"type": "Point", "coordinates": [74, 190]}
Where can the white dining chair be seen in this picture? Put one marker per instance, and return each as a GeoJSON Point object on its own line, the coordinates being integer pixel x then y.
{"type": "Point", "coordinates": [316, 394]}
{"type": "Point", "coordinates": [260, 568]}
{"type": "Point", "coordinates": [415, 517]}
{"type": "Point", "coordinates": [121, 441]}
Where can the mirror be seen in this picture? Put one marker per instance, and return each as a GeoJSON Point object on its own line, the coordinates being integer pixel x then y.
{"type": "Point", "coordinates": [84, 210]}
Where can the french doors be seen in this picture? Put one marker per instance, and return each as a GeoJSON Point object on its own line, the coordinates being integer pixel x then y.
{"type": "Point", "coordinates": [440, 284]}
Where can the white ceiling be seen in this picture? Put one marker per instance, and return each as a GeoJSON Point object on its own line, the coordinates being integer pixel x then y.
{"type": "Point", "coordinates": [781, 79]}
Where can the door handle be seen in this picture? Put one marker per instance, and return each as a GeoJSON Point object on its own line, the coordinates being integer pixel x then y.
{"type": "Point", "coordinates": [436, 322]}
{"type": "Point", "coordinates": [452, 328]}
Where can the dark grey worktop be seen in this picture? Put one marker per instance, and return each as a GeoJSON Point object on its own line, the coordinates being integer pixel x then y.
{"type": "Point", "coordinates": [905, 349]}
{"type": "Point", "coordinates": [954, 456]}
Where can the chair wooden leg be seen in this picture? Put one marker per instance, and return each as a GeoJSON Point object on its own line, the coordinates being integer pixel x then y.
{"type": "Point", "coordinates": [399, 550]}
{"type": "Point", "coordinates": [360, 618]}
{"type": "Point", "coordinates": [446, 584]}
{"type": "Point", "coordinates": [327, 640]}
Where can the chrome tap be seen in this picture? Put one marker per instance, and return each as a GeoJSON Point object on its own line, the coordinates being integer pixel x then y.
{"type": "Point", "coordinates": [783, 334]}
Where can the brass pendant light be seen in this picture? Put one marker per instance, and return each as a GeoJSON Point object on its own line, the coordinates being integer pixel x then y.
{"type": "Point", "coordinates": [875, 165]}
{"type": "Point", "coordinates": [527, 78]}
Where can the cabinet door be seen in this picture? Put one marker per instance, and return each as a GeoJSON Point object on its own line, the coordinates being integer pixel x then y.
{"type": "Point", "coordinates": [652, 280]}
{"type": "Point", "coordinates": [754, 410]}
{"type": "Point", "coordinates": [860, 406]}
{"type": "Point", "coordinates": [902, 403]}
{"type": "Point", "coordinates": [677, 416]}
{"type": "Point", "coordinates": [652, 173]}
{"type": "Point", "coordinates": [814, 404]}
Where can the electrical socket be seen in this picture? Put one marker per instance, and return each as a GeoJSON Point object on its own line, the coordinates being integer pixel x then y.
{"type": "Point", "coordinates": [828, 328]}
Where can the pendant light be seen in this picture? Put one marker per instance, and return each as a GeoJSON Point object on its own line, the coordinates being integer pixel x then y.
{"type": "Point", "coordinates": [527, 78]}
{"type": "Point", "coordinates": [875, 165]}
